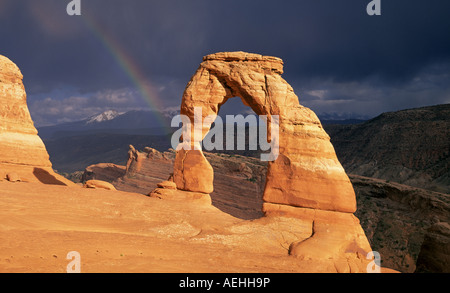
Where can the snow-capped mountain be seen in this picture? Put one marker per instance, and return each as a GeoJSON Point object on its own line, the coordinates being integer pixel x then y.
{"type": "Point", "coordinates": [105, 116]}
{"type": "Point", "coordinates": [111, 121]}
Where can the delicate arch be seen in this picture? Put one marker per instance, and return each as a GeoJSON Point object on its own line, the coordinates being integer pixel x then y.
{"type": "Point", "coordinates": [307, 172]}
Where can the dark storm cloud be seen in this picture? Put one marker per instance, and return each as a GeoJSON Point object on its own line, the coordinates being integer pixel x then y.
{"type": "Point", "coordinates": [336, 56]}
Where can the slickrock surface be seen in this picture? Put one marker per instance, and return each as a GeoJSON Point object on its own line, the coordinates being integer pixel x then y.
{"type": "Point", "coordinates": [127, 232]}
{"type": "Point", "coordinates": [21, 149]}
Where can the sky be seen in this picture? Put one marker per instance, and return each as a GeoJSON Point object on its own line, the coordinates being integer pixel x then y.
{"type": "Point", "coordinates": [140, 54]}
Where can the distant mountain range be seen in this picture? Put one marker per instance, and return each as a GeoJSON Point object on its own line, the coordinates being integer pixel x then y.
{"type": "Point", "coordinates": [134, 123]}
{"type": "Point", "coordinates": [105, 116]}
{"type": "Point", "coordinates": [112, 122]}
{"type": "Point", "coordinates": [105, 137]}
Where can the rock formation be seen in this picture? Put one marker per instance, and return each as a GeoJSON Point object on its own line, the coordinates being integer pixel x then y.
{"type": "Point", "coordinates": [103, 171]}
{"type": "Point", "coordinates": [307, 171]}
{"type": "Point", "coordinates": [13, 177]}
{"type": "Point", "coordinates": [235, 193]}
{"type": "Point", "coordinates": [410, 147]}
{"type": "Point", "coordinates": [96, 184]}
{"type": "Point", "coordinates": [21, 149]}
{"type": "Point", "coordinates": [434, 255]}
{"type": "Point", "coordinates": [134, 162]}
{"type": "Point", "coordinates": [306, 181]}
{"type": "Point", "coordinates": [396, 217]}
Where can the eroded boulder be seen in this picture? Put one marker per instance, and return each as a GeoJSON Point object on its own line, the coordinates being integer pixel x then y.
{"type": "Point", "coordinates": [13, 177]}
{"type": "Point", "coordinates": [98, 184]}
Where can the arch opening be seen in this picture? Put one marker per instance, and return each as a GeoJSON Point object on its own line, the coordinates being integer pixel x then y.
{"type": "Point", "coordinates": [240, 164]}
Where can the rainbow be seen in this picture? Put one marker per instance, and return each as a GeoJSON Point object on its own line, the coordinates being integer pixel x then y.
{"type": "Point", "coordinates": [126, 63]}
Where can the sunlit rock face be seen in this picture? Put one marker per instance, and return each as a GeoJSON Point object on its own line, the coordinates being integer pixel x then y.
{"type": "Point", "coordinates": [305, 180]}
{"type": "Point", "coordinates": [21, 149]}
{"type": "Point", "coordinates": [306, 173]}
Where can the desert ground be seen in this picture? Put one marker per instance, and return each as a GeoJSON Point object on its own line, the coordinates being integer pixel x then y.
{"type": "Point", "coordinates": [117, 232]}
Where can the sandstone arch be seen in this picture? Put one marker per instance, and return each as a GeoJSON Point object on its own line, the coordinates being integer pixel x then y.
{"type": "Point", "coordinates": [306, 173]}
{"type": "Point", "coordinates": [306, 181]}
